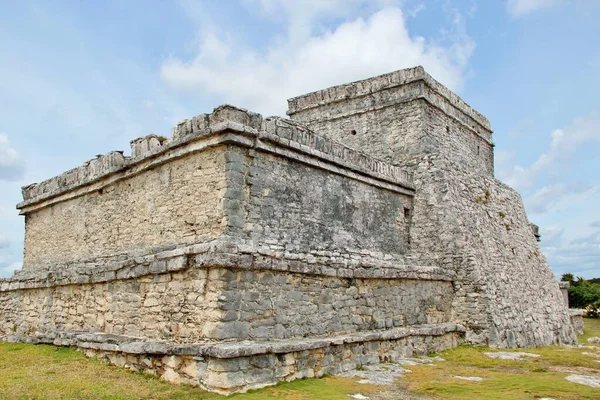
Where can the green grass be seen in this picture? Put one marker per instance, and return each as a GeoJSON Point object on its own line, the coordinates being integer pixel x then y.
{"type": "Point", "coordinates": [591, 328]}
{"type": "Point", "coordinates": [503, 379]}
{"type": "Point", "coordinates": [47, 372]}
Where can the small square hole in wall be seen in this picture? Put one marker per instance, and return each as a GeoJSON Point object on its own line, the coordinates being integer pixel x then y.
{"type": "Point", "coordinates": [353, 132]}
{"type": "Point", "coordinates": [406, 213]}
{"type": "Point", "coordinates": [447, 129]}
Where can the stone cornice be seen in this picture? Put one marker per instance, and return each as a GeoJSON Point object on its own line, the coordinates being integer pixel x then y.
{"type": "Point", "coordinates": [226, 125]}
{"type": "Point", "coordinates": [222, 253]}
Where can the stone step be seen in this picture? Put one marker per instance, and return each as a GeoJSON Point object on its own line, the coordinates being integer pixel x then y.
{"type": "Point", "coordinates": [238, 366]}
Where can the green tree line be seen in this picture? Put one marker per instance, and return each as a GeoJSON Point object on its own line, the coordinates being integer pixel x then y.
{"type": "Point", "coordinates": [584, 294]}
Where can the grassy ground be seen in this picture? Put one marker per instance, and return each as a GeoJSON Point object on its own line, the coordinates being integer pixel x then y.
{"type": "Point", "coordinates": [47, 372]}
{"type": "Point", "coordinates": [530, 379]}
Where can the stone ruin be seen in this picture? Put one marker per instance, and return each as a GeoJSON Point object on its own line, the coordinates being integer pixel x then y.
{"type": "Point", "coordinates": [247, 250]}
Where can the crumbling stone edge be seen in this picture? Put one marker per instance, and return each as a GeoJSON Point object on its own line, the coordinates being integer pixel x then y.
{"type": "Point", "coordinates": [226, 125]}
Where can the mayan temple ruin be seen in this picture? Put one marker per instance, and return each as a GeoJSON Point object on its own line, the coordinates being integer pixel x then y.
{"type": "Point", "coordinates": [247, 250]}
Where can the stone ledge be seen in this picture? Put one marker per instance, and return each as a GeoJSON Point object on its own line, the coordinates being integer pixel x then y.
{"type": "Point", "coordinates": [231, 367]}
{"type": "Point", "coordinates": [225, 254]}
{"type": "Point", "coordinates": [225, 350]}
{"type": "Point", "coordinates": [208, 130]}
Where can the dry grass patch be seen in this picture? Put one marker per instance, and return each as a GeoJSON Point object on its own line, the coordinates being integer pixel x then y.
{"type": "Point", "coordinates": [530, 378]}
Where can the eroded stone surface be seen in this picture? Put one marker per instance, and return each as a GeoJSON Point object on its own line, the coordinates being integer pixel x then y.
{"type": "Point", "coordinates": [592, 381]}
{"type": "Point", "coordinates": [468, 378]}
{"type": "Point", "coordinates": [382, 374]}
{"type": "Point", "coordinates": [234, 367]}
{"type": "Point", "coordinates": [513, 355]}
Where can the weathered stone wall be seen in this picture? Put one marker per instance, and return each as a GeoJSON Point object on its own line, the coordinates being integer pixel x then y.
{"type": "Point", "coordinates": [458, 142]}
{"type": "Point", "coordinates": [506, 294]}
{"type": "Point", "coordinates": [267, 305]}
{"type": "Point", "coordinates": [564, 290]}
{"type": "Point", "coordinates": [198, 304]}
{"type": "Point", "coordinates": [287, 205]}
{"type": "Point", "coordinates": [462, 219]}
{"type": "Point", "coordinates": [398, 117]}
{"type": "Point", "coordinates": [173, 204]}
{"type": "Point", "coordinates": [173, 306]}
{"type": "Point", "coordinates": [384, 133]}
{"type": "Point", "coordinates": [577, 320]}
{"type": "Point", "coordinates": [247, 250]}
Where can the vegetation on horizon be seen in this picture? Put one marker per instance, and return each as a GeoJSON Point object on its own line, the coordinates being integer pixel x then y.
{"type": "Point", "coordinates": [584, 293]}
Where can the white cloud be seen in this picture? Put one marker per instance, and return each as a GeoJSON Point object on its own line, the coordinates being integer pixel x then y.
{"type": "Point", "coordinates": [415, 9]}
{"type": "Point", "coordinates": [570, 234]}
{"type": "Point", "coordinates": [303, 17]}
{"type": "Point", "coordinates": [551, 236]}
{"type": "Point", "coordinates": [3, 242]}
{"type": "Point", "coordinates": [519, 8]}
{"type": "Point", "coordinates": [580, 257]}
{"type": "Point", "coordinates": [545, 199]}
{"type": "Point", "coordinates": [560, 193]}
{"type": "Point", "coordinates": [564, 145]}
{"type": "Point", "coordinates": [310, 59]}
{"type": "Point", "coordinates": [12, 166]}
{"type": "Point", "coordinates": [8, 268]}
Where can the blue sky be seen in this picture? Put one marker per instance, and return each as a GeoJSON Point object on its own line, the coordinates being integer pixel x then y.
{"type": "Point", "coordinates": [84, 78]}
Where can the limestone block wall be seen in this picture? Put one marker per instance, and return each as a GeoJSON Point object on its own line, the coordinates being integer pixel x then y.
{"type": "Point", "coordinates": [506, 294]}
{"type": "Point", "coordinates": [463, 219]}
{"type": "Point", "coordinates": [399, 116]}
{"type": "Point", "coordinates": [176, 203]}
{"type": "Point", "coordinates": [274, 305]}
{"type": "Point", "coordinates": [291, 206]}
{"type": "Point", "coordinates": [260, 366]}
{"type": "Point", "coordinates": [213, 234]}
{"type": "Point", "coordinates": [177, 306]}
{"type": "Point", "coordinates": [223, 291]}
{"type": "Point", "coordinates": [458, 142]}
{"type": "Point", "coordinates": [246, 250]}
{"type": "Point", "coordinates": [385, 133]}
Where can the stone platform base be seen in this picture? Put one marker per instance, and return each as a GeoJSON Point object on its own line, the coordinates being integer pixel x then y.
{"type": "Point", "coordinates": [230, 367]}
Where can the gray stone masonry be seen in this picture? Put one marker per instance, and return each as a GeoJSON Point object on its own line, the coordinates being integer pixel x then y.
{"type": "Point", "coordinates": [463, 219]}
{"type": "Point", "coordinates": [247, 250]}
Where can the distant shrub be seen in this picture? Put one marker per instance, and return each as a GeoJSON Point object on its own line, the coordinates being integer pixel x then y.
{"type": "Point", "coordinates": [586, 295]}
